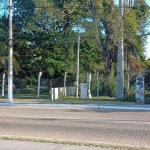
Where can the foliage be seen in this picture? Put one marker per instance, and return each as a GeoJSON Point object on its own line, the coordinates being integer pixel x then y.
{"type": "Point", "coordinates": [45, 37]}
{"type": "Point", "coordinates": [142, 10]}
{"type": "Point", "coordinates": [3, 47]}
{"type": "Point", "coordinates": [129, 98]}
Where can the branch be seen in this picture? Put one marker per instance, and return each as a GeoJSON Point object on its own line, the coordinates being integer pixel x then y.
{"type": "Point", "coordinates": [145, 34]}
{"type": "Point", "coordinates": [70, 12]}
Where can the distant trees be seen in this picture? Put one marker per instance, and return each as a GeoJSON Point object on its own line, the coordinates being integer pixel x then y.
{"type": "Point", "coordinates": [45, 37]}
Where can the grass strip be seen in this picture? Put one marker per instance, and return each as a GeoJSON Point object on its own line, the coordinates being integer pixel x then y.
{"type": "Point", "coordinates": [69, 101]}
{"type": "Point", "coordinates": [71, 142]}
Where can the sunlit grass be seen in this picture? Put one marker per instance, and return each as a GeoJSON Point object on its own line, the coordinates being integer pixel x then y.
{"type": "Point", "coordinates": [71, 142]}
{"type": "Point", "coordinates": [46, 98]}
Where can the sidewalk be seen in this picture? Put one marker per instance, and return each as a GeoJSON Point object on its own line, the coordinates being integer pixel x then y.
{"type": "Point", "coordinates": [25, 145]}
{"type": "Point", "coordinates": [101, 104]}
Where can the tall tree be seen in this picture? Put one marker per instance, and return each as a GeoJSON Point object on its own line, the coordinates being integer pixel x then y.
{"type": "Point", "coordinates": [4, 47]}
{"type": "Point", "coordinates": [45, 34]}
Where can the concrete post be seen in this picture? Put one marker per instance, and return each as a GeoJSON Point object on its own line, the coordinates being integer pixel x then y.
{"type": "Point", "coordinates": [10, 57]}
{"type": "Point", "coordinates": [39, 80]}
{"type": "Point", "coordinates": [3, 84]}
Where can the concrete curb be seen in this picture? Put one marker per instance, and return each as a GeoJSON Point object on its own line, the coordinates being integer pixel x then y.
{"type": "Point", "coordinates": [118, 107]}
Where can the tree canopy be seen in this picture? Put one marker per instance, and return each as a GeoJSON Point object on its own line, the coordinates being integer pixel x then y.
{"type": "Point", "coordinates": [45, 36]}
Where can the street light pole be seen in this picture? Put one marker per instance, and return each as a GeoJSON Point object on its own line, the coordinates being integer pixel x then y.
{"type": "Point", "coordinates": [10, 57]}
{"type": "Point", "coordinates": [120, 57]}
{"type": "Point", "coordinates": [77, 73]}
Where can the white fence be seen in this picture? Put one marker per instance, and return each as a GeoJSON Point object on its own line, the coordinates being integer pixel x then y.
{"type": "Point", "coordinates": [62, 91]}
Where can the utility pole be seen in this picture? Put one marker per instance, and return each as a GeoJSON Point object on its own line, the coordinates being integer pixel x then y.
{"type": "Point", "coordinates": [10, 57]}
{"type": "Point", "coordinates": [77, 73]}
{"type": "Point", "coordinates": [120, 57]}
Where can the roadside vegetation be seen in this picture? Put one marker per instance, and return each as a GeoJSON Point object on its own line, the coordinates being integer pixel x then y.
{"type": "Point", "coordinates": [46, 98]}
{"type": "Point", "coordinates": [45, 40]}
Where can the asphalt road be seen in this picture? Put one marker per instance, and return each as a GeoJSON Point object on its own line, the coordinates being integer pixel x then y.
{"type": "Point", "coordinates": [123, 127]}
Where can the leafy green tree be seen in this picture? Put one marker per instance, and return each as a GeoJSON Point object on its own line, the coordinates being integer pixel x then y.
{"type": "Point", "coordinates": [3, 47]}
{"type": "Point", "coordinates": [45, 34]}
{"type": "Point", "coordinates": [48, 40]}
{"type": "Point", "coordinates": [134, 27]}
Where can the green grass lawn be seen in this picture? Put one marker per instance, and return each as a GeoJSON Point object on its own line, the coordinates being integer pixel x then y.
{"type": "Point", "coordinates": [32, 98]}
{"type": "Point", "coordinates": [45, 98]}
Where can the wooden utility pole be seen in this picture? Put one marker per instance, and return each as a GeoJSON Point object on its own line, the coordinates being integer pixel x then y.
{"type": "Point", "coordinates": [77, 73]}
{"type": "Point", "coordinates": [10, 57]}
{"type": "Point", "coordinates": [120, 57]}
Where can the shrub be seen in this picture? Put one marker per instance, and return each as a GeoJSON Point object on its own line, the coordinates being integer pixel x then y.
{"type": "Point", "coordinates": [129, 98]}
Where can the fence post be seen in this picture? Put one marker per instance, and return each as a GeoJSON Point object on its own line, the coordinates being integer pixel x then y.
{"type": "Point", "coordinates": [3, 84]}
{"type": "Point", "coordinates": [65, 83]}
{"type": "Point", "coordinates": [52, 94]}
{"type": "Point", "coordinates": [97, 85]}
{"type": "Point", "coordinates": [88, 82]}
{"type": "Point", "coordinates": [39, 78]}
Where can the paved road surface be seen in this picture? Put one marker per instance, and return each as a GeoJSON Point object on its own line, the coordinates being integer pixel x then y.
{"type": "Point", "coordinates": [125, 127]}
{"type": "Point", "coordinates": [24, 145]}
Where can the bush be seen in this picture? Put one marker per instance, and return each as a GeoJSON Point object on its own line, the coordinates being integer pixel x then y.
{"type": "Point", "coordinates": [129, 98]}
{"type": "Point", "coordinates": [147, 98]}
{"type": "Point", "coordinates": [70, 98]}
{"type": "Point", "coordinates": [31, 81]}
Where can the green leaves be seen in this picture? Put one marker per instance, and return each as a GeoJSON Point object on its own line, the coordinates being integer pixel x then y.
{"type": "Point", "coordinates": [142, 10]}
{"type": "Point", "coordinates": [46, 38]}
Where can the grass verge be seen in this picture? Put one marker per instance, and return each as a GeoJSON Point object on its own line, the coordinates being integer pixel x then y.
{"type": "Point", "coordinates": [102, 100]}
{"type": "Point", "coordinates": [69, 142]}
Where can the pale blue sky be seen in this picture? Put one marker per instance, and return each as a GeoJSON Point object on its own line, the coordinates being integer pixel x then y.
{"type": "Point", "coordinates": [148, 1]}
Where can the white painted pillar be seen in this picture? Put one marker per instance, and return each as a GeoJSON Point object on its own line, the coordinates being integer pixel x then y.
{"type": "Point", "coordinates": [10, 56]}
{"type": "Point", "coordinates": [39, 79]}
{"type": "Point", "coordinates": [89, 85]}
{"type": "Point", "coordinates": [3, 84]}
{"type": "Point", "coordinates": [140, 89]}
{"type": "Point", "coordinates": [77, 73]}
{"type": "Point", "coordinates": [52, 93]}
